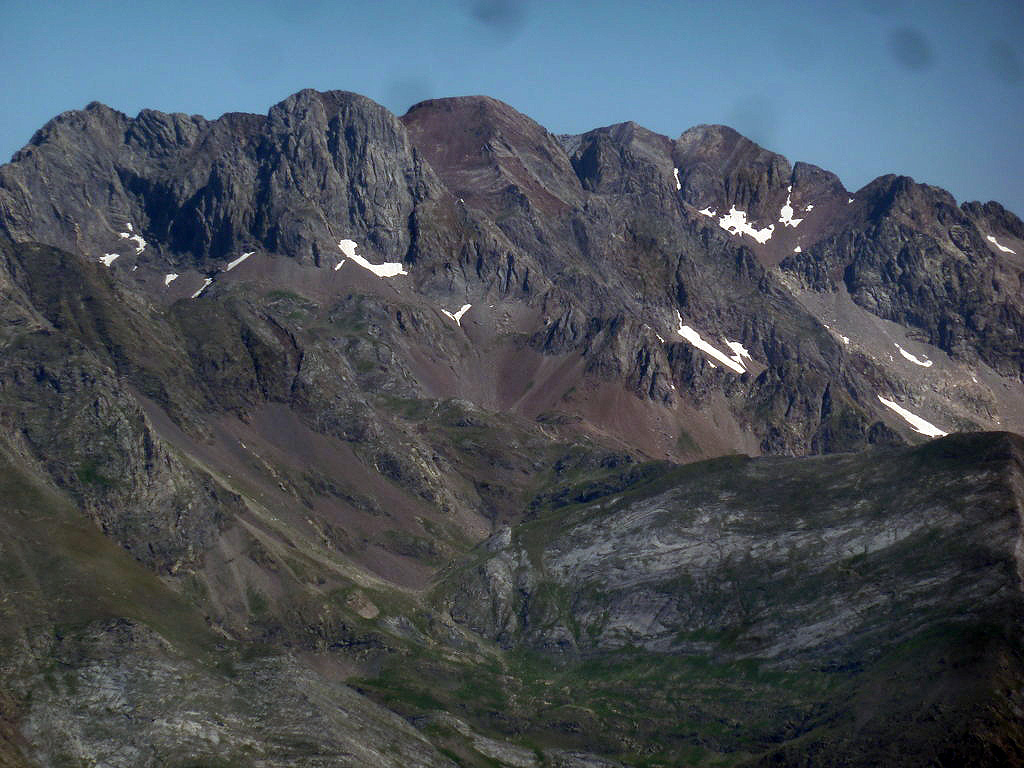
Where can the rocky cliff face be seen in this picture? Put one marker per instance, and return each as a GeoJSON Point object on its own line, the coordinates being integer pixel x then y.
{"type": "Point", "coordinates": [300, 364]}
{"type": "Point", "coordinates": [197, 191]}
{"type": "Point", "coordinates": [890, 263]}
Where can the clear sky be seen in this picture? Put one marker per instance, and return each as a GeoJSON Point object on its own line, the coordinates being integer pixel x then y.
{"type": "Point", "coordinates": [933, 89]}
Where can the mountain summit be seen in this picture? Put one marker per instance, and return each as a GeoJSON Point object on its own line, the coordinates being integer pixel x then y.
{"type": "Point", "coordinates": [338, 438]}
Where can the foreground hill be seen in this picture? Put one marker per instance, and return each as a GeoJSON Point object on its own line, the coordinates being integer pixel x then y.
{"type": "Point", "coordinates": [842, 610]}
{"type": "Point", "coordinates": [848, 610]}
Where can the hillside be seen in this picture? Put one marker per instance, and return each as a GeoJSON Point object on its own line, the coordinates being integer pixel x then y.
{"type": "Point", "coordinates": [337, 438]}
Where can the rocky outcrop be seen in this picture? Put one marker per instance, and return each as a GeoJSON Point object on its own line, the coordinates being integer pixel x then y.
{"type": "Point", "coordinates": [718, 166]}
{"type": "Point", "coordinates": [67, 411]}
{"type": "Point", "coordinates": [490, 154]}
{"type": "Point", "coordinates": [916, 258]}
{"type": "Point", "coordinates": [124, 697]}
{"type": "Point", "coordinates": [656, 565]}
{"type": "Point", "coordinates": [317, 168]}
{"type": "Point", "coordinates": [76, 419]}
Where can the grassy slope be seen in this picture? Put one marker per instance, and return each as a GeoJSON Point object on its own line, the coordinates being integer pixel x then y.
{"type": "Point", "coordinates": [58, 575]}
{"type": "Point", "coordinates": [61, 571]}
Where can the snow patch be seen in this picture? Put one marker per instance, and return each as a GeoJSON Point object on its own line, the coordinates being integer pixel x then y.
{"type": "Point", "coordinates": [108, 258]}
{"type": "Point", "coordinates": [786, 214]}
{"type": "Point", "coordinates": [845, 339]}
{"type": "Point", "coordinates": [140, 243]}
{"type": "Point", "coordinates": [387, 269]}
{"type": "Point", "coordinates": [918, 424]}
{"type": "Point", "coordinates": [338, 265]}
{"type": "Point", "coordinates": [706, 212]}
{"type": "Point", "coordinates": [809, 208]}
{"type": "Point", "coordinates": [694, 338]}
{"type": "Point", "coordinates": [168, 279]}
{"type": "Point", "coordinates": [457, 317]}
{"type": "Point", "coordinates": [676, 172]}
{"type": "Point", "coordinates": [849, 200]}
{"type": "Point", "coordinates": [926, 363]}
{"type": "Point", "coordinates": [232, 264]}
{"type": "Point", "coordinates": [205, 285]}
{"type": "Point", "coordinates": [1002, 248]}
{"type": "Point", "coordinates": [739, 351]}
{"type": "Point", "coordinates": [660, 337]}
{"type": "Point", "coordinates": [735, 222]}
{"type": "Point", "coordinates": [798, 249]}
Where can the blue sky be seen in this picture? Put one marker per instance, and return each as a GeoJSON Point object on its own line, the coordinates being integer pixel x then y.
{"type": "Point", "coordinates": [934, 90]}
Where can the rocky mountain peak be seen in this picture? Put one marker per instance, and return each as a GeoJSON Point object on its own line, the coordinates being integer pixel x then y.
{"type": "Point", "coordinates": [96, 120]}
{"type": "Point", "coordinates": [901, 194]}
{"type": "Point", "coordinates": [163, 134]}
{"type": "Point", "coordinates": [719, 168]}
{"type": "Point", "coordinates": [487, 112]}
{"type": "Point", "coordinates": [319, 109]}
{"type": "Point", "coordinates": [198, 191]}
{"type": "Point", "coordinates": [622, 159]}
{"type": "Point", "coordinates": [489, 154]}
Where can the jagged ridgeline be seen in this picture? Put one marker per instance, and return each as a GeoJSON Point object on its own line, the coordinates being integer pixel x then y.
{"type": "Point", "coordinates": [336, 438]}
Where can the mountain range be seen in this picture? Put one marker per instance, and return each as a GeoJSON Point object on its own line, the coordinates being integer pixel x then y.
{"type": "Point", "coordinates": [332, 437]}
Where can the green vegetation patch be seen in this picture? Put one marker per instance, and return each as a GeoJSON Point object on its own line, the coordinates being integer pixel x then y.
{"type": "Point", "coordinates": [637, 706]}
